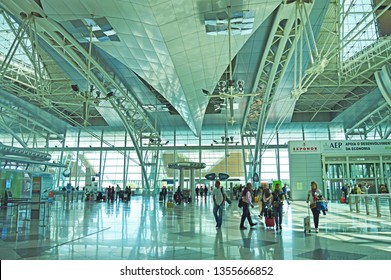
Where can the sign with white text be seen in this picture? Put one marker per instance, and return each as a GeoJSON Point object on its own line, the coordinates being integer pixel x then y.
{"type": "Point", "coordinates": [341, 147]}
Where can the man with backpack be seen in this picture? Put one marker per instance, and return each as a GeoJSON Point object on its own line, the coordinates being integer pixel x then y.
{"type": "Point", "coordinates": [218, 203]}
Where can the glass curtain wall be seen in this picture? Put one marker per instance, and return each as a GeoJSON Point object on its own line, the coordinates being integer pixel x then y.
{"type": "Point", "coordinates": [109, 158]}
{"type": "Point", "coordinates": [112, 160]}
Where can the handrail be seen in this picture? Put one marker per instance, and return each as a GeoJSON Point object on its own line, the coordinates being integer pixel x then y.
{"type": "Point", "coordinates": [69, 195]}
{"type": "Point", "coordinates": [373, 203]}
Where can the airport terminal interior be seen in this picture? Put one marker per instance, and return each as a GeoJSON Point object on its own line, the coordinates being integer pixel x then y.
{"type": "Point", "coordinates": [144, 95]}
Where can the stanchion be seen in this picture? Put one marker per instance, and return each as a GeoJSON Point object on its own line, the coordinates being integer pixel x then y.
{"type": "Point", "coordinates": [350, 203]}
{"type": "Point", "coordinates": [356, 199]}
{"type": "Point", "coordinates": [377, 204]}
{"type": "Point", "coordinates": [366, 204]}
{"type": "Point", "coordinates": [389, 204]}
{"type": "Point", "coordinates": [44, 213]}
{"type": "Point", "coordinates": [17, 218]}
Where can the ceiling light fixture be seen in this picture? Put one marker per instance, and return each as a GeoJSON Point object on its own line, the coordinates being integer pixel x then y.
{"type": "Point", "coordinates": [156, 141]}
{"type": "Point", "coordinates": [226, 140]}
{"type": "Point", "coordinates": [221, 23]}
{"type": "Point", "coordinates": [75, 88]}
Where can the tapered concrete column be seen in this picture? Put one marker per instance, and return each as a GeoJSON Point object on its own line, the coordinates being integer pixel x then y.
{"type": "Point", "coordinates": [181, 178]}
{"type": "Point", "coordinates": [191, 166]}
{"type": "Point", "coordinates": [191, 183]}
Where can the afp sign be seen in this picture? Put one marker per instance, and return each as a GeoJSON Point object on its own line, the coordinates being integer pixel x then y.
{"type": "Point", "coordinates": [361, 147]}
{"type": "Point", "coordinates": [335, 145]}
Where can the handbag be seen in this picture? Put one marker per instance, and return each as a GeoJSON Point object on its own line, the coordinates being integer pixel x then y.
{"type": "Point", "coordinates": [321, 205]}
{"type": "Point", "coordinates": [241, 203]}
{"type": "Point", "coordinates": [313, 205]}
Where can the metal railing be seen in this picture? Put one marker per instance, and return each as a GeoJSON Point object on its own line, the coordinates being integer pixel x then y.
{"type": "Point", "coordinates": [371, 204]}
{"type": "Point", "coordinates": [69, 196]}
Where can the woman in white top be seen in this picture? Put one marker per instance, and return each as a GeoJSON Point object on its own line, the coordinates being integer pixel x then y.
{"type": "Point", "coordinates": [314, 195]}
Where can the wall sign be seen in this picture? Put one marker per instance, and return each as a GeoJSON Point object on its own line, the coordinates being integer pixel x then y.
{"type": "Point", "coordinates": [340, 147]}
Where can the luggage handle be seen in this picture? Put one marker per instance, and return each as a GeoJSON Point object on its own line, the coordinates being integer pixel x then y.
{"type": "Point", "coordinates": [309, 217]}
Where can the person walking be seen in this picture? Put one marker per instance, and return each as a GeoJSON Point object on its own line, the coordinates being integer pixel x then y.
{"type": "Point", "coordinates": [164, 193]}
{"type": "Point", "coordinates": [247, 202]}
{"type": "Point", "coordinates": [112, 194]}
{"type": "Point", "coordinates": [266, 198]}
{"type": "Point", "coordinates": [117, 192]}
{"type": "Point", "coordinates": [260, 201]}
{"type": "Point", "coordinates": [313, 196]}
{"type": "Point", "coordinates": [285, 192]}
{"type": "Point", "coordinates": [218, 196]}
{"type": "Point", "coordinates": [277, 203]}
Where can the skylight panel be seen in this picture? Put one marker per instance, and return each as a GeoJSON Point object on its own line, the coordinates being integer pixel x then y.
{"type": "Point", "coordinates": [242, 23]}
{"type": "Point", "coordinates": [99, 29]}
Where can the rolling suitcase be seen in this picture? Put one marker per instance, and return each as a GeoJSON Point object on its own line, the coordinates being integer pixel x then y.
{"type": "Point", "coordinates": [269, 218]}
{"type": "Point", "coordinates": [307, 221]}
{"type": "Point", "coordinates": [269, 222]}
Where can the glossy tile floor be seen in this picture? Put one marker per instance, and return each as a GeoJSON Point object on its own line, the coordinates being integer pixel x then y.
{"type": "Point", "coordinates": [145, 229]}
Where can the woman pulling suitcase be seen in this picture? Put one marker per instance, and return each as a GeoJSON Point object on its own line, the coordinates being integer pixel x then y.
{"type": "Point", "coordinates": [313, 196]}
{"type": "Point", "coordinates": [277, 203]}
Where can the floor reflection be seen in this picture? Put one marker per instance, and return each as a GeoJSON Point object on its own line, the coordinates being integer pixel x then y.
{"type": "Point", "coordinates": [145, 229]}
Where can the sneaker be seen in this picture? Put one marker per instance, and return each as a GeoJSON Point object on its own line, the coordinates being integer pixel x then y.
{"type": "Point", "coordinates": [254, 224]}
{"type": "Point", "coordinates": [276, 228]}
{"type": "Point", "coordinates": [316, 230]}
{"type": "Point", "coordinates": [280, 227]}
